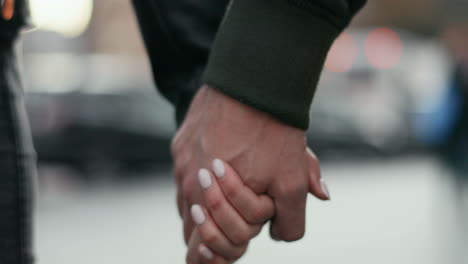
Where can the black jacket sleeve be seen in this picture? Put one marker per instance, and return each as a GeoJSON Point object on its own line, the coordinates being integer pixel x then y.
{"type": "Point", "coordinates": [266, 53]}
{"type": "Point", "coordinates": [269, 53]}
{"type": "Point", "coordinates": [17, 156]}
{"type": "Point", "coordinates": [178, 35]}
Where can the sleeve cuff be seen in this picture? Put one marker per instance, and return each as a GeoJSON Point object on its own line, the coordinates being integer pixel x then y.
{"type": "Point", "coordinates": [269, 54]}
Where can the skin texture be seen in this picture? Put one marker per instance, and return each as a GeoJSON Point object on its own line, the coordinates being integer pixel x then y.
{"type": "Point", "coordinates": [270, 157]}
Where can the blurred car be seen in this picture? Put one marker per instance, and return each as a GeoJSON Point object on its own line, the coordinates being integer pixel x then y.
{"type": "Point", "coordinates": [96, 112]}
{"type": "Point", "coordinates": [100, 111]}
{"type": "Point", "coordinates": [374, 110]}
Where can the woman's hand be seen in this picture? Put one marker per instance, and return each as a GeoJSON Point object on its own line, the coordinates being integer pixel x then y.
{"type": "Point", "coordinates": [230, 219]}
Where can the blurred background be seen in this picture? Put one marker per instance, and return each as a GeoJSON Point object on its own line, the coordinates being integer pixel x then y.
{"type": "Point", "coordinates": [389, 122]}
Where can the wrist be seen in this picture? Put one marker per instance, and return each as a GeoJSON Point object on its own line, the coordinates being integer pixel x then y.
{"type": "Point", "coordinates": [231, 127]}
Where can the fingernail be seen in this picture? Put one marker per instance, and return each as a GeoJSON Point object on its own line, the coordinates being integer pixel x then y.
{"type": "Point", "coordinates": [197, 214]}
{"type": "Point", "coordinates": [204, 178]}
{"type": "Point", "coordinates": [205, 252]}
{"type": "Point", "coordinates": [218, 168]}
{"type": "Point", "coordinates": [324, 187]}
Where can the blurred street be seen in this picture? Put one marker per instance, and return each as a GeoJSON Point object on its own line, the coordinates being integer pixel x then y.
{"type": "Point", "coordinates": [394, 83]}
{"type": "Point", "coordinates": [405, 210]}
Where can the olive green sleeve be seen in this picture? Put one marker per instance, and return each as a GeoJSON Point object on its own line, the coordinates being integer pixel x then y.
{"type": "Point", "coordinates": [269, 53]}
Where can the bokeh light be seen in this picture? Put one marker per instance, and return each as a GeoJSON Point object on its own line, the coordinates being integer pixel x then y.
{"type": "Point", "coordinates": [342, 54]}
{"type": "Point", "coordinates": [383, 48]}
{"type": "Point", "coordinates": [69, 18]}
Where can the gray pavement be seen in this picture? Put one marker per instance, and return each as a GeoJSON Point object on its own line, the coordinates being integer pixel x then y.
{"type": "Point", "coordinates": [403, 211]}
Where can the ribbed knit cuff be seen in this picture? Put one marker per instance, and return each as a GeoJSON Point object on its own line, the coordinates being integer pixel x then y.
{"type": "Point", "coordinates": [269, 54]}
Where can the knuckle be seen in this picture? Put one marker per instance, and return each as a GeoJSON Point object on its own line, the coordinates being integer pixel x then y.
{"type": "Point", "coordinates": [182, 168]}
{"type": "Point", "coordinates": [232, 191]}
{"type": "Point", "coordinates": [175, 147]}
{"type": "Point", "coordinates": [255, 183]}
{"type": "Point", "coordinates": [241, 236]}
{"type": "Point", "coordinates": [214, 203]}
{"type": "Point", "coordinates": [210, 238]}
{"type": "Point", "coordinates": [187, 189]}
{"type": "Point", "coordinates": [290, 188]}
{"type": "Point", "coordinates": [256, 217]}
{"type": "Point", "coordinates": [182, 160]}
{"type": "Point", "coordinates": [177, 142]}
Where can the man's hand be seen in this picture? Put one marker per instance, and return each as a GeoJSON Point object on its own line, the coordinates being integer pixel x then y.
{"type": "Point", "coordinates": [270, 157]}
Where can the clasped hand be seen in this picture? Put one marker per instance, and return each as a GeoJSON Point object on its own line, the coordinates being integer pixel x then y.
{"type": "Point", "coordinates": [236, 168]}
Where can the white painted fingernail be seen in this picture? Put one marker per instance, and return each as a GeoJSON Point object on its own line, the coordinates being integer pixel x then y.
{"type": "Point", "coordinates": [197, 214]}
{"type": "Point", "coordinates": [218, 168]}
{"type": "Point", "coordinates": [324, 187]}
{"type": "Point", "coordinates": [205, 252]}
{"type": "Point", "coordinates": [204, 178]}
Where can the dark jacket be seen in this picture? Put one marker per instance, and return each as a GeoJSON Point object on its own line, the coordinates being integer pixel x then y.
{"type": "Point", "coordinates": [266, 53]}
{"type": "Point", "coordinates": [17, 157]}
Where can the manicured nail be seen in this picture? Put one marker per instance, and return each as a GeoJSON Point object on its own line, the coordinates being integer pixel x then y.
{"type": "Point", "coordinates": [205, 252]}
{"type": "Point", "coordinates": [204, 178]}
{"type": "Point", "coordinates": [324, 187]}
{"type": "Point", "coordinates": [197, 214]}
{"type": "Point", "coordinates": [218, 168]}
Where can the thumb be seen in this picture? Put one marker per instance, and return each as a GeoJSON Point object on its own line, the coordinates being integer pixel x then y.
{"type": "Point", "coordinates": [317, 185]}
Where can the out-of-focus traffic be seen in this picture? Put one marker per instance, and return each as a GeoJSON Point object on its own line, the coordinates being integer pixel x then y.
{"type": "Point", "coordinates": [99, 112]}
